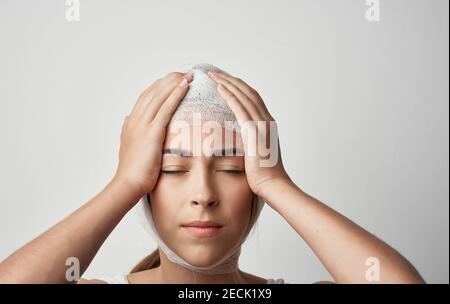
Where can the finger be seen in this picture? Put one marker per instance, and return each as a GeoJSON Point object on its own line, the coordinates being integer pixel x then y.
{"type": "Point", "coordinates": [251, 93]}
{"type": "Point", "coordinates": [144, 95]}
{"type": "Point", "coordinates": [160, 97]}
{"type": "Point", "coordinates": [242, 85]}
{"type": "Point", "coordinates": [125, 122]}
{"type": "Point", "coordinates": [124, 126]}
{"type": "Point", "coordinates": [166, 80]}
{"type": "Point", "coordinates": [149, 94]}
{"type": "Point", "coordinates": [243, 98]}
{"type": "Point", "coordinates": [248, 131]}
{"type": "Point", "coordinates": [170, 104]}
{"type": "Point", "coordinates": [238, 109]}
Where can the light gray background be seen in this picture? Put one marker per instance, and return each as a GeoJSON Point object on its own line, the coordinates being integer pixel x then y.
{"type": "Point", "coordinates": [362, 109]}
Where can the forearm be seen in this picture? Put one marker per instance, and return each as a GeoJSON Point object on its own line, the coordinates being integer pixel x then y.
{"type": "Point", "coordinates": [342, 246]}
{"type": "Point", "coordinates": [80, 235]}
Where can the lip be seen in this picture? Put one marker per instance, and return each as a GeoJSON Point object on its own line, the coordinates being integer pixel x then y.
{"type": "Point", "coordinates": [203, 228]}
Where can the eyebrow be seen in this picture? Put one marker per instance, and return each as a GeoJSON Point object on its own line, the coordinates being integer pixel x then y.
{"type": "Point", "coordinates": [217, 153]}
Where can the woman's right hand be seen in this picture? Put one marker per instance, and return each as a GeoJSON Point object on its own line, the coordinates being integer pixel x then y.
{"type": "Point", "coordinates": [144, 132]}
{"type": "Point", "coordinates": [80, 235]}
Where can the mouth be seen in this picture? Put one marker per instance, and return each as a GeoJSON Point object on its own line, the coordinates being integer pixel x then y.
{"type": "Point", "coordinates": [203, 228]}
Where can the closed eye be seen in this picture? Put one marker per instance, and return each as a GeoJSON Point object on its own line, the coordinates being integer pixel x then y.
{"type": "Point", "coordinates": [232, 171]}
{"type": "Point", "coordinates": [173, 171]}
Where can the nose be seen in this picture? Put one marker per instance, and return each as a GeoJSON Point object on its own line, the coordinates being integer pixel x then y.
{"type": "Point", "coordinates": [203, 191]}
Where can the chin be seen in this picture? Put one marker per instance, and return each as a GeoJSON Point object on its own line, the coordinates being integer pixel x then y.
{"type": "Point", "coordinates": [201, 257]}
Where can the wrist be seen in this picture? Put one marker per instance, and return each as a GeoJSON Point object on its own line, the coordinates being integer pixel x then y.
{"type": "Point", "coordinates": [279, 193]}
{"type": "Point", "coordinates": [272, 187]}
{"type": "Point", "coordinates": [124, 188]}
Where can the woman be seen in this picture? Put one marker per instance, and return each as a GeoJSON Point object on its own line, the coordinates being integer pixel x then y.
{"type": "Point", "coordinates": [200, 207]}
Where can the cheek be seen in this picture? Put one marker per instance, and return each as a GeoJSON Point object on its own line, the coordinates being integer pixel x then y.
{"type": "Point", "coordinates": [241, 213]}
{"type": "Point", "coordinates": [237, 204]}
{"type": "Point", "coordinates": [164, 206]}
{"type": "Point", "coordinates": [234, 189]}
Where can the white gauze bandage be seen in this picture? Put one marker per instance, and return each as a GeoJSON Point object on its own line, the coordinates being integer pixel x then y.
{"type": "Point", "coordinates": [203, 98]}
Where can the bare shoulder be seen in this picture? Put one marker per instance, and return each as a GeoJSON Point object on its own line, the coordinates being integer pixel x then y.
{"type": "Point", "coordinates": [151, 276]}
{"type": "Point", "coordinates": [252, 279]}
{"type": "Point", "coordinates": [148, 276]}
{"type": "Point", "coordinates": [92, 281]}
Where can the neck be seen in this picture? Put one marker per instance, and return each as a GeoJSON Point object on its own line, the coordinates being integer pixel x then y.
{"type": "Point", "coordinates": [172, 273]}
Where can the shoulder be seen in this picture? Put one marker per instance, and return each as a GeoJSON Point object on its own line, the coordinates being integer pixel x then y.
{"type": "Point", "coordinates": [117, 279]}
{"type": "Point", "coordinates": [91, 281]}
{"type": "Point", "coordinates": [275, 281]}
{"type": "Point", "coordinates": [252, 279]}
{"type": "Point", "coordinates": [148, 276]}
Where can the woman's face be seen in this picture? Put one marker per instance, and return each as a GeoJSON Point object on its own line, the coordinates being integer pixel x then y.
{"type": "Point", "coordinates": [201, 188]}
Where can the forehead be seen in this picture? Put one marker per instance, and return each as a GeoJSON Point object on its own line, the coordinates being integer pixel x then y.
{"type": "Point", "coordinates": [200, 140]}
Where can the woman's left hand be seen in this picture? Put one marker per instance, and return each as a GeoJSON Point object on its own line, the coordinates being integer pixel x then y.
{"type": "Point", "coordinates": [329, 234]}
{"type": "Point", "coordinates": [249, 109]}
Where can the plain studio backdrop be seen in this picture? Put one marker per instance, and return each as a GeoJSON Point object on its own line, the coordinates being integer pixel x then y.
{"type": "Point", "coordinates": [362, 109]}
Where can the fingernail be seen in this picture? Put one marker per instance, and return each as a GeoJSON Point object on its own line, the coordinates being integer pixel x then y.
{"type": "Point", "coordinates": [183, 82]}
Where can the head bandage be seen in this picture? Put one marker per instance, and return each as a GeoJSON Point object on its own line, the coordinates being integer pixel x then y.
{"type": "Point", "coordinates": [203, 98]}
